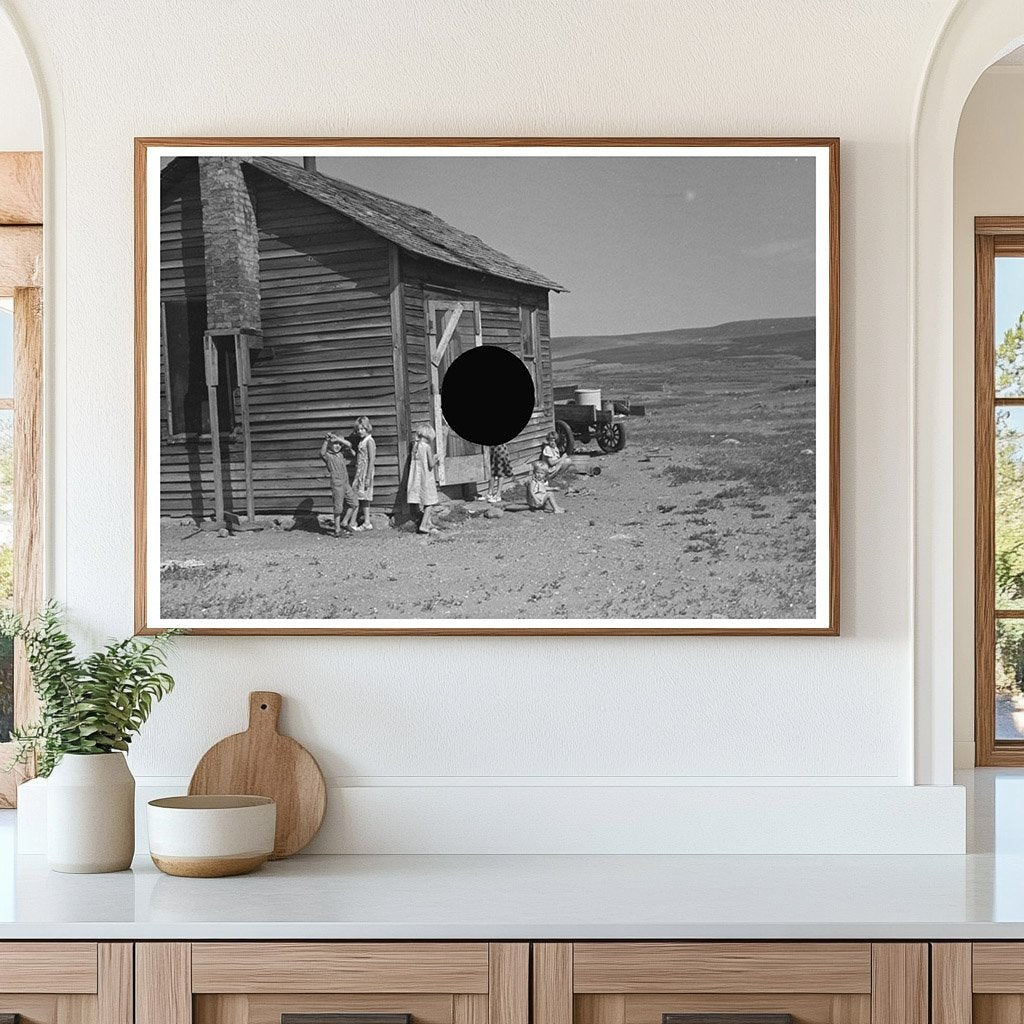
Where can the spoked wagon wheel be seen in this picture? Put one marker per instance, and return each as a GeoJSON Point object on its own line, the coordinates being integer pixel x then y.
{"type": "Point", "coordinates": [611, 437]}
{"type": "Point", "coordinates": [566, 441]}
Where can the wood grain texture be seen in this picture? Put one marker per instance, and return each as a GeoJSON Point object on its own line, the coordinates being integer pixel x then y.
{"type": "Point", "coordinates": [28, 483]}
{"type": "Point", "coordinates": [21, 188]}
{"type": "Point", "coordinates": [951, 982]}
{"type": "Point", "coordinates": [817, 1008]}
{"type": "Point", "coordinates": [552, 983]}
{"type": "Point", "coordinates": [599, 1009]}
{"type": "Point", "coordinates": [262, 762]}
{"type": "Point", "coordinates": [508, 993]}
{"type": "Point", "coordinates": [346, 1018]}
{"type": "Point", "coordinates": [722, 967]}
{"type": "Point", "coordinates": [899, 989]}
{"type": "Point", "coordinates": [998, 967]}
{"type": "Point", "coordinates": [727, 1018]}
{"type": "Point", "coordinates": [65, 967]}
{"type": "Point", "coordinates": [163, 983]}
{"type": "Point", "coordinates": [831, 144]}
{"type": "Point", "coordinates": [269, 1008]}
{"type": "Point", "coordinates": [339, 967]}
{"type": "Point", "coordinates": [21, 258]}
{"type": "Point", "coordinates": [115, 995]}
{"type": "Point", "coordinates": [998, 1009]}
{"type": "Point", "coordinates": [468, 1008]}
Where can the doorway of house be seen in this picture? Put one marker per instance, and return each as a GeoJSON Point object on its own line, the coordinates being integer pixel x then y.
{"type": "Point", "coordinates": [453, 327]}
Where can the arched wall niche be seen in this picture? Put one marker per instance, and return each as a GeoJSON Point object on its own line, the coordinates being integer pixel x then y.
{"type": "Point", "coordinates": [975, 35]}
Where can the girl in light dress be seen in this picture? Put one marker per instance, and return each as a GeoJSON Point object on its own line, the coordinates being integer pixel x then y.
{"type": "Point", "coordinates": [421, 490]}
{"type": "Point", "coordinates": [362, 483]}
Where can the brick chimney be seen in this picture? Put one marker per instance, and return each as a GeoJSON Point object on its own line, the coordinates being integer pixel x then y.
{"type": "Point", "coordinates": [231, 247]}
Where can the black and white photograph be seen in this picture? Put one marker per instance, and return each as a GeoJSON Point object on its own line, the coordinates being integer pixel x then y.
{"type": "Point", "coordinates": [446, 387]}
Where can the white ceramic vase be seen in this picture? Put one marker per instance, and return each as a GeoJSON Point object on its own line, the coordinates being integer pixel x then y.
{"type": "Point", "coordinates": [90, 814]}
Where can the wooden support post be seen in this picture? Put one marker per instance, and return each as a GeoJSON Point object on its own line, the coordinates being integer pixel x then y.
{"type": "Point", "coordinates": [212, 378]}
{"type": "Point", "coordinates": [244, 376]}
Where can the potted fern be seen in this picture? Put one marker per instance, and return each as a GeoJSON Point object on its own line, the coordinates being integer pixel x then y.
{"type": "Point", "coordinates": [89, 710]}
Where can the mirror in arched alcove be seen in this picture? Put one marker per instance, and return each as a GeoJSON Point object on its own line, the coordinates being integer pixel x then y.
{"type": "Point", "coordinates": [989, 419]}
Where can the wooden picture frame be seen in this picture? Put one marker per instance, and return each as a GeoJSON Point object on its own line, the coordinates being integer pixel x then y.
{"type": "Point", "coordinates": [151, 156]}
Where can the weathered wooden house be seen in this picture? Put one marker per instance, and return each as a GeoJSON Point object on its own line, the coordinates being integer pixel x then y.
{"type": "Point", "coordinates": [291, 303]}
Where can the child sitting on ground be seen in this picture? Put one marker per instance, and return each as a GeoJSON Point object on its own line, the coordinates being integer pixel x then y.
{"type": "Point", "coordinates": [343, 497]}
{"type": "Point", "coordinates": [538, 495]}
{"type": "Point", "coordinates": [552, 456]}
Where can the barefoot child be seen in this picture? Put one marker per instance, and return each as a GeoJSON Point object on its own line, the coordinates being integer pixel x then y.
{"type": "Point", "coordinates": [538, 495]}
{"type": "Point", "coordinates": [342, 496]}
{"type": "Point", "coordinates": [363, 482]}
{"type": "Point", "coordinates": [421, 490]}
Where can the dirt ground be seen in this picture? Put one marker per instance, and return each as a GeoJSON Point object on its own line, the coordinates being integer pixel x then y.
{"type": "Point", "coordinates": [708, 512]}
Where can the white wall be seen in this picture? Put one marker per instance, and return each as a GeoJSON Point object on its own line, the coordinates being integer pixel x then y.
{"type": "Point", "coordinates": [987, 181]}
{"type": "Point", "coordinates": [21, 126]}
{"type": "Point", "coordinates": [433, 715]}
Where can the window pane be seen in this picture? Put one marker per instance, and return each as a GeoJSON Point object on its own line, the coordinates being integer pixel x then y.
{"type": "Point", "coordinates": [1009, 679]}
{"type": "Point", "coordinates": [1009, 532]}
{"type": "Point", "coordinates": [1009, 326]}
{"type": "Point", "coordinates": [6, 562]}
{"type": "Point", "coordinates": [6, 353]}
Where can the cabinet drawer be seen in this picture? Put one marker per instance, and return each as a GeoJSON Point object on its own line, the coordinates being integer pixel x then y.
{"type": "Point", "coordinates": [730, 983]}
{"type": "Point", "coordinates": [66, 982]}
{"type": "Point", "coordinates": [66, 967]}
{"type": "Point", "coordinates": [333, 983]}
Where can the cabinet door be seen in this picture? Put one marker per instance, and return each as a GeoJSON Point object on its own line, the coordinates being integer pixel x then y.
{"type": "Point", "coordinates": [66, 982]}
{"type": "Point", "coordinates": [332, 983]}
{"type": "Point", "coordinates": [981, 982]}
{"type": "Point", "coordinates": [730, 983]}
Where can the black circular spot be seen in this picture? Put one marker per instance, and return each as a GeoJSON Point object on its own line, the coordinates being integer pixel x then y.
{"type": "Point", "coordinates": [487, 395]}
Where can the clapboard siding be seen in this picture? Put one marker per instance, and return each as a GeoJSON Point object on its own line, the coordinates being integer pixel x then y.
{"type": "Point", "coordinates": [328, 351]}
{"type": "Point", "coordinates": [327, 355]}
{"type": "Point", "coordinates": [500, 302]}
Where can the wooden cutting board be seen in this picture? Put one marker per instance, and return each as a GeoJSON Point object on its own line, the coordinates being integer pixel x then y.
{"type": "Point", "coordinates": [262, 762]}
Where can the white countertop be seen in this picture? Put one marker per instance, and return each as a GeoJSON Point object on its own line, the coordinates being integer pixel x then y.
{"type": "Point", "coordinates": [977, 896]}
{"type": "Point", "coordinates": [497, 897]}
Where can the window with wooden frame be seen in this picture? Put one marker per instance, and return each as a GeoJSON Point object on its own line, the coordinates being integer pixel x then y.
{"type": "Point", "coordinates": [529, 336]}
{"type": "Point", "coordinates": [21, 365]}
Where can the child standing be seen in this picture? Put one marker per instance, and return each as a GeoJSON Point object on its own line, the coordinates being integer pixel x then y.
{"type": "Point", "coordinates": [342, 496]}
{"type": "Point", "coordinates": [366, 454]}
{"type": "Point", "coordinates": [421, 490]}
{"type": "Point", "coordinates": [501, 466]}
{"type": "Point", "coordinates": [538, 495]}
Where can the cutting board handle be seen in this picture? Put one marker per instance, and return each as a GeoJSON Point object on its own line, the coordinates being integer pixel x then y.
{"type": "Point", "coordinates": [264, 710]}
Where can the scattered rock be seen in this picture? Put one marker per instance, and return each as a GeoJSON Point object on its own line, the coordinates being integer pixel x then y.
{"type": "Point", "coordinates": [729, 440]}
{"type": "Point", "coordinates": [222, 532]}
{"type": "Point", "coordinates": [494, 513]}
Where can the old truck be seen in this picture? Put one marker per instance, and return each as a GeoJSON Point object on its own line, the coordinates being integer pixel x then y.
{"type": "Point", "coordinates": [582, 415]}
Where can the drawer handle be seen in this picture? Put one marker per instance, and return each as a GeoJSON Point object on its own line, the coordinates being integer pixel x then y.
{"type": "Point", "coordinates": [338, 1018]}
{"type": "Point", "coordinates": [727, 1018]}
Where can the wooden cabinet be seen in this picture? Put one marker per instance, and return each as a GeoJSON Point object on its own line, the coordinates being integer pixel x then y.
{"type": "Point", "coordinates": [66, 982]}
{"type": "Point", "coordinates": [978, 983]}
{"type": "Point", "coordinates": [307, 982]}
{"type": "Point", "coordinates": [759, 982]}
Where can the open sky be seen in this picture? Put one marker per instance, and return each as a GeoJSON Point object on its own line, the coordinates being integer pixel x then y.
{"type": "Point", "coordinates": [642, 243]}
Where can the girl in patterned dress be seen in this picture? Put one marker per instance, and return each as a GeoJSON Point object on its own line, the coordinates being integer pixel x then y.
{"type": "Point", "coordinates": [362, 484]}
{"type": "Point", "coordinates": [501, 466]}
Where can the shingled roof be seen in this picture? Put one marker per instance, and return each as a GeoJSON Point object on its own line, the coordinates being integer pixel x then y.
{"type": "Point", "coordinates": [416, 230]}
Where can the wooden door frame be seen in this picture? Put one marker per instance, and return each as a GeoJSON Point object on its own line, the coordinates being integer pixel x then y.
{"type": "Point", "coordinates": [21, 271]}
{"type": "Point", "coordinates": [450, 302]}
{"type": "Point", "coordinates": [993, 237]}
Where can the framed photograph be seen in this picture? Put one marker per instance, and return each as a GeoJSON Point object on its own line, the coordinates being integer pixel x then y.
{"type": "Point", "coordinates": [500, 386]}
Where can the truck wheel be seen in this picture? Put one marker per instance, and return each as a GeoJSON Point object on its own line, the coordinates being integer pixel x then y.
{"type": "Point", "coordinates": [566, 441]}
{"type": "Point", "coordinates": [611, 437]}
